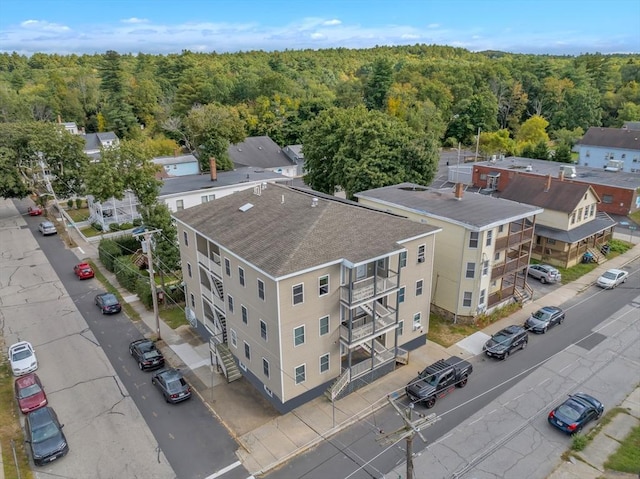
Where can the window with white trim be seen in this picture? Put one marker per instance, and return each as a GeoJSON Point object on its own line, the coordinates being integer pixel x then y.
{"type": "Point", "coordinates": [324, 363]}
{"type": "Point", "coordinates": [247, 351]}
{"type": "Point", "coordinates": [265, 367]}
{"type": "Point", "coordinates": [419, 286]}
{"type": "Point", "coordinates": [471, 270]}
{"type": "Point", "coordinates": [324, 325]}
{"type": "Point", "coordinates": [189, 272]}
{"type": "Point", "coordinates": [483, 295]}
{"type": "Point", "coordinates": [300, 373]}
{"type": "Point", "coordinates": [185, 237]}
{"type": "Point", "coordinates": [298, 294]}
{"type": "Point", "coordinates": [466, 299]}
{"type": "Point", "coordinates": [401, 293]}
{"type": "Point", "coordinates": [227, 267]}
{"type": "Point", "coordinates": [323, 285]}
{"type": "Point", "coordinates": [241, 276]}
{"type": "Point", "coordinates": [485, 267]}
{"type": "Point", "coordinates": [489, 237]}
{"type": "Point", "coordinates": [230, 302]}
{"type": "Point", "coordinates": [193, 300]}
{"type": "Point", "coordinates": [403, 259]}
{"type": "Point", "coordinates": [421, 253]}
{"type": "Point", "coordinates": [417, 321]}
{"type": "Point", "coordinates": [298, 336]}
{"type": "Point", "coordinates": [234, 338]}
{"type": "Point", "coordinates": [245, 314]}
{"type": "Point", "coordinates": [261, 289]}
{"type": "Point", "coordinates": [401, 327]}
{"type": "Point", "coordinates": [473, 239]}
{"type": "Point", "coordinates": [263, 330]}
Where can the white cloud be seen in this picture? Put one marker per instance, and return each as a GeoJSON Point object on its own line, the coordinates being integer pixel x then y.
{"type": "Point", "coordinates": [332, 22]}
{"type": "Point", "coordinates": [44, 26]}
{"type": "Point", "coordinates": [134, 20]}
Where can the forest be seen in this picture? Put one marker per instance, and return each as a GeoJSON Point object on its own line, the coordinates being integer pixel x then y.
{"type": "Point", "coordinates": [365, 118]}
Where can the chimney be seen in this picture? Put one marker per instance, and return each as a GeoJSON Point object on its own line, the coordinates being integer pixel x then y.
{"type": "Point", "coordinates": [561, 175]}
{"type": "Point", "coordinates": [459, 191]}
{"type": "Point", "coordinates": [212, 167]}
{"type": "Point", "coordinates": [547, 187]}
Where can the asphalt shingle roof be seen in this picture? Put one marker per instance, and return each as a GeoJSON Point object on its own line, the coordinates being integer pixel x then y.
{"type": "Point", "coordinates": [258, 151]}
{"type": "Point", "coordinates": [473, 210]}
{"type": "Point", "coordinates": [282, 232]}
{"type": "Point", "coordinates": [622, 138]}
{"type": "Point", "coordinates": [560, 196]}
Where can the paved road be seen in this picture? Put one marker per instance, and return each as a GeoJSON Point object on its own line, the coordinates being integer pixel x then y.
{"type": "Point", "coordinates": [356, 453]}
{"type": "Point", "coordinates": [185, 436]}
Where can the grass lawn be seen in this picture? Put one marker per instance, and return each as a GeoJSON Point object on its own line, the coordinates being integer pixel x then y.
{"type": "Point", "coordinates": [627, 457]}
{"type": "Point", "coordinates": [173, 316]}
{"type": "Point", "coordinates": [78, 215]}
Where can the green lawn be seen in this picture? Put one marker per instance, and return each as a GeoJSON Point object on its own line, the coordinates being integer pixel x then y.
{"type": "Point", "coordinates": [173, 316]}
{"type": "Point", "coordinates": [627, 457]}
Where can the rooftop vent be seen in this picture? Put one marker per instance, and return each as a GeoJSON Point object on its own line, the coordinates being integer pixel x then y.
{"type": "Point", "coordinates": [246, 207]}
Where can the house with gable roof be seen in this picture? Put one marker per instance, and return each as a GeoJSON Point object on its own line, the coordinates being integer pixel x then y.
{"type": "Point", "coordinates": [263, 153]}
{"type": "Point", "coordinates": [93, 142]}
{"type": "Point", "coordinates": [599, 146]}
{"type": "Point", "coordinates": [301, 293]}
{"type": "Point", "coordinates": [484, 244]}
{"type": "Point", "coordinates": [570, 224]}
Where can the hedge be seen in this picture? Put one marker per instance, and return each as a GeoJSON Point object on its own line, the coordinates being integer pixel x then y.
{"type": "Point", "coordinates": [126, 272]}
{"type": "Point", "coordinates": [108, 252]}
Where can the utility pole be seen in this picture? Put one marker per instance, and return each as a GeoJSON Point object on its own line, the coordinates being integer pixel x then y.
{"type": "Point", "coordinates": [154, 295]}
{"type": "Point", "coordinates": [407, 432]}
{"type": "Point", "coordinates": [51, 191]}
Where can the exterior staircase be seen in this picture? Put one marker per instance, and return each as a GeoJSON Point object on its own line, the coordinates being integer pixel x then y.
{"type": "Point", "coordinates": [219, 288]}
{"type": "Point", "coordinates": [229, 366]}
{"type": "Point", "coordinates": [524, 294]}
{"type": "Point", "coordinates": [140, 259]}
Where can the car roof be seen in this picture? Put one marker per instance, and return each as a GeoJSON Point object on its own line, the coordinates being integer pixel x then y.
{"type": "Point", "coordinates": [169, 374]}
{"type": "Point", "coordinates": [107, 295]}
{"type": "Point", "coordinates": [46, 223]}
{"type": "Point", "coordinates": [551, 309]}
{"type": "Point", "coordinates": [40, 416]}
{"type": "Point", "coordinates": [20, 346]}
{"type": "Point", "coordinates": [615, 271]}
{"type": "Point", "coordinates": [513, 329]}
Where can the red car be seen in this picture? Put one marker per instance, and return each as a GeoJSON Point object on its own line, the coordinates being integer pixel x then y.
{"type": "Point", "coordinates": [83, 271]}
{"type": "Point", "coordinates": [29, 393]}
{"type": "Point", "coordinates": [34, 211]}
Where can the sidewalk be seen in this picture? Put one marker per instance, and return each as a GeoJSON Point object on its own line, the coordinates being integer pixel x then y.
{"type": "Point", "coordinates": [268, 439]}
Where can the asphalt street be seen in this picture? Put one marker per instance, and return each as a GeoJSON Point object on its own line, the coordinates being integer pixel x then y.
{"type": "Point", "coordinates": [359, 452]}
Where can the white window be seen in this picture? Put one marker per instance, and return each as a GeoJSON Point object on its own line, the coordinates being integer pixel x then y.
{"type": "Point", "coordinates": [466, 300]}
{"type": "Point", "coordinates": [592, 211]}
{"type": "Point", "coordinates": [265, 367]}
{"type": "Point", "coordinates": [247, 351]}
{"type": "Point", "coordinates": [400, 327]}
{"type": "Point", "coordinates": [485, 267]}
{"type": "Point", "coordinates": [300, 374]}
{"type": "Point", "coordinates": [189, 272]}
{"type": "Point", "coordinates": [227, 267]}
{"type": "Point", "coordinates": [324, 325]}
{"type": "Point", "coordinates": [230, 302]}
{"type": "Point", "coordinates": [298, 294]}
{"type": "Point", "coordinates": [473, 239]}
{"type": "Point", "coordinates": [185, 236]}
{"type": "Point", "coordinates": [245, 314]}
{"type": "Point", "coordinates": [323, 285]}
{"type": "Point", "coordinates": [419, 285]}
{"type": "Point", "coordinates": [234, 338]}
{"type": "Point", "coordinates": [401, 293]}
{"type": "Point", "coordinates": [421, 251]}
{"type": "Point", "coordinates": [263, 330]}
{"type": "Point", "coordinates": [261, 289]}
{"type": "Point", "coordinates": [403, 259]}
{"type": "Point", "coordinates": [496, 257]}
{"type": "Point", "coordinates": [324, 363]}
{"type": "Point", "coordinates": [417, 321]}
{"type": "Point", "coordinates": [483, 294]}
{"type": "Point", "coordinates": [241, 276]}
{"type": "Point", "coordinates": [204, 199]}
{"type": "Point", "coordinates": [298, 336]}
{"type": "Point", "coordinates": [471, 270]}
{"type": "Point", "coordinates": [193, 300]}
{"type": "Point", "coordinates": [489, 237]}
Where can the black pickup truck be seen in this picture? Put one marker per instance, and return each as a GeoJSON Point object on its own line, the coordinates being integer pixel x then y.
{"type": "Point", "coordinates": [438, 380]}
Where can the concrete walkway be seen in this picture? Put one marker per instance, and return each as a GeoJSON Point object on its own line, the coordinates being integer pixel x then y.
{"type": "Point", "coordinates": [268, 439]}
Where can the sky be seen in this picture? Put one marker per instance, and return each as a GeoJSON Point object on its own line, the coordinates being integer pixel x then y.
{"type": "Point", "coordinates": [555, 27]}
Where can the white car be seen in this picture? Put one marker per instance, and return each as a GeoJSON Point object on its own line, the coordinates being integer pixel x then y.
{"type": "Point", "coordinates": [612, 278]}
{"type": "Point", "coordinates": [22, 358]}
{"type": "Point", "coordinates": [47, 228]}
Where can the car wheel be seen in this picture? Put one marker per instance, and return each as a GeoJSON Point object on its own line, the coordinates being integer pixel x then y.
{"type": "Point", "coordinates": [166, 398]}
{"type": "Point", "coordinates": [561, 320]}
{"type": "Point", "coordinates": [153, 381]}
{"type": "Point", "coordinates": [102, 310]}
{"type": "Point", "coordinates": [599, 415]}
{"type": "Point", "coordinates": [429, 403]}
{"type": "Point", "coordinates": [543, 280]}
{"type": "Point", "coordinates": [524, 345]}
{"type": "Point", "coordinates": [463, 381]}
{"type": "Point", "coordinates": [140, 366]}
{"type": "Point", "coordinates": [506, 355]}
{"type": "Point", "coordinates": [544, 330]}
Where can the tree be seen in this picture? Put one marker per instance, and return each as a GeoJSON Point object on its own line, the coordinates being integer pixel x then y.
{"type": "Point", "coordinates": [541, 150]}
{"type": "Point", "coordinates": [378, 84]}
{"type": "Point", "coordinates": [562, 153]}
{"type": "Point", "coordinates": [496, 142]}
{"type": "Point", "coordinates": [166, 251]}
{"type": "Point", "coordinates": [533, 130]}
{"type": "Point", "coordinates": [358, 149]}
{"type": "Point", "coordinates": [12, 184]}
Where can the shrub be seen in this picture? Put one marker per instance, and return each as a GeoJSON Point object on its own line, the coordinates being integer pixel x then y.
{"type": "Point", "coordinates": [79, 203]}
{"type": "Point", "coordinates": [126, 273]}
{"type": "Point", "coordinates": [143, 290]}
{"type": "Point", "coordinates": [126, 226]}
{"type": "Point", "coordinates": [96, 226]}
{"type": "Point", "coordinates": [578, 442]}
{"type": "Point", "coordinates": [108, 252]}
{"type": "Point", "coordinates": [69, 203]}
{"type": "Point", "coordinates": [128, 244]}
{"type": "Point", "coordinates": [175, 294]}
{"type": "Point", "coordinates": [114, 227]}
{"type": "Point", "coordinates": [137, 222]}
{"type": "Point", "coordinates": [617, 246]}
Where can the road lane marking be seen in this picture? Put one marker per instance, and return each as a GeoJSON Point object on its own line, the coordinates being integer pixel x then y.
{"type": "Point", "coordinates": [224, 470]}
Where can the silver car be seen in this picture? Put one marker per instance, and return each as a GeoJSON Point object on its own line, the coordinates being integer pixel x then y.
{"type": "Point", "coordinates": [47, 228]}
{"type": "Point", "coordinates": [544, 272]}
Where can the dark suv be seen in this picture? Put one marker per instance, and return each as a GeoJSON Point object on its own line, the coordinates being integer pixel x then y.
{"type": "Point", "coordinates": [506, 341]}
{"type": "Point", "coordinates": [45, 436]}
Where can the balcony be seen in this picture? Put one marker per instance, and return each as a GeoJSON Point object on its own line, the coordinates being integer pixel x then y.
{"type": "Point", "coordinates": [212, 264]}
{"type": "Point", "coordinates": [365, 328]}
{"type": "Point", "coordinates": [368, 288]}
{"type": "Point", "coordinates": [510, 266]}
{"type": "Point", "coordinates": [514, 238]}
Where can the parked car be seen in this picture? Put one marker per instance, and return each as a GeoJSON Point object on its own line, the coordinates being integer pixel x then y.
{"type": "Point", "coordinates": [108, 303]}
{"type": "Point", "coordinates": [22, 358]}
{"type": "Point", "coordinates": [146, 354]}
{"type": "Point", "coordinates": [545, 273]}
{"type": "Point", "coordinates": [83, 271]}
{"type": "Point", "coordinates": [172, 385]}
{"type": "Point", "coordinates": [573, 414]}
{"type": "Point", "coordinates": [44, 436]}
{"type": "Point", "coordinates": [541, 320]}
{"type": "Point", "coordinates": [438, 380]}
{"type": "Point", "coordinates": [34, 211]}
{"type": "Point", "coordinates": [612, 278]}
{"type": "Point", "coordinates": [47, 228]}
{"type": "Point", "coordinates": [506, 341]}
{"type": "Point", "coordinates": [29, 393]}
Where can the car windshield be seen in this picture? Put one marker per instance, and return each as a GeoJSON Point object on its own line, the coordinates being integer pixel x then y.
{"type": "Point", "coordinates": [109, 300]}
{"type": "Point", "coordinates": [47, 431]}
{"type": "Point", "coordinates": [22, 354]}
{"type": "Point", "coordinates": [542, 315]}
{"type": "Point", "coordinates": [609, 275]}
{"type": "Point", "coordinates": [501, 338]}
{"type": "Point", "coordinates": [152, 354]}
{"type": "Point", "coordinates": [29, 391]}
{"type": "Point", "coordinates": [570, 410]}
{"type": "Point", "coordinates": [430, 379]}
{"type": "Point", "coordinates": [177, 384]}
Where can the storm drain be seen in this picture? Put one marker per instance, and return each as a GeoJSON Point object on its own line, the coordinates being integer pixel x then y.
{"type": "Point", "coordinates": [591, 341]}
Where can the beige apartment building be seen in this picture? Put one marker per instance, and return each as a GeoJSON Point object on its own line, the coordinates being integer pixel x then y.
{"type": "Point", "coordinates": [484, 246]}
{"type": "Point", "coordinates": [304, 294]}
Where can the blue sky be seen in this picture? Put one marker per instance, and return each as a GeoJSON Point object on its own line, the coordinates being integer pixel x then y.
{"type": "Point", "coordinates": [568, 27]}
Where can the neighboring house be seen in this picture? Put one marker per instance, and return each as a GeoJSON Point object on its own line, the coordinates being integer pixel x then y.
{"type": "Point", "coordinates": [294, 152]}
{"type": "Point", "coordinates": [186, 191]}
{"type": "Point", "coordinates": [613, 148]}
{"type": "Point", "coordinates": [71, 127]}
{"type": "Point", "coordinates": [178, 165]}
{"type": "Point", "coordinates": [114, 210]}
{"type": "Point", "coordinates": [569, 225]}
{"type": "Point", "coordinates": [619, 192]}
{"type": "Point", "coordinates": [262, 152]}
{"type": "Point", "coordinates": [305, 294]}
{"type": "Point", "coordinates": [485, 242]}
{"type": "Point", "coordinates": [94, 141]}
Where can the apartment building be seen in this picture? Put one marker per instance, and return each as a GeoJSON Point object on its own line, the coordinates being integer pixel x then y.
{"type": "Point", "coordinates": [485, 242]}
{"type": "Point", "coordinates": [305, 294]}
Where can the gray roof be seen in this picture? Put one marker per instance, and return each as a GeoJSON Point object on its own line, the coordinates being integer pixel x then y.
{"type": "Point", "coordinates": [93, 141]}
{"type": "Point", "coordinates": [548, 193]}
{"type": "Point", "coordinates": [258, 151]}
{"type": "Point", "coordinates": [473, 211]}
{"type": "Point", "coordinates": [294, 152]}
{"type": "Point", "coordinates": [584, 174]}
{"type": "Point", "coordinates": [282, 233]}
{"type": "Point", "coordinates": [620, 138]}
{"type": "Point", "coordinates": [173, 160]}
{"type": "Point", "coordinates": [600, 223]}
{"type": "Point", "coordinates": [183, 184]}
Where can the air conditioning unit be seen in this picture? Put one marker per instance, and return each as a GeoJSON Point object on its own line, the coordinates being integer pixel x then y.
{"type": "Point", "coordinates": [421, 259]}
